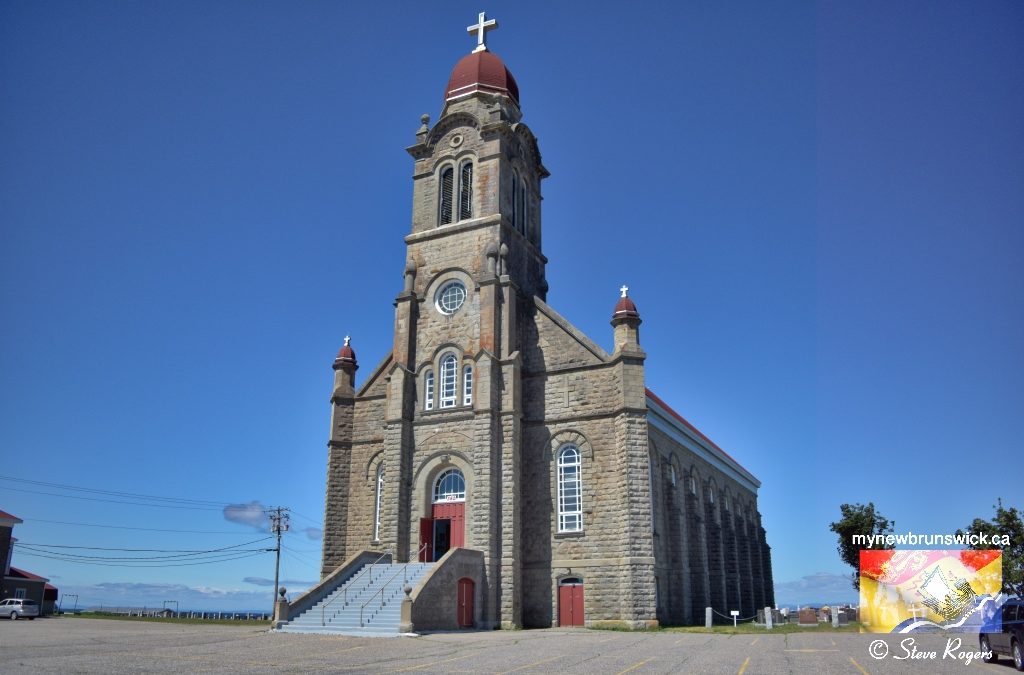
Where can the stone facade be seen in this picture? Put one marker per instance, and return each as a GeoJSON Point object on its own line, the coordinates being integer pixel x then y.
{"type": "Point", "coordinates": [646, 549]}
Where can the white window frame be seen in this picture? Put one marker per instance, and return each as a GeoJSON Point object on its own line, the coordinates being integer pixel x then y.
{"type": "Point", "coordinates": [453, 196]}
{"type": "Point", "coordinates": [20, 593]}
{"type": "Point", "coordinates": [465, 192]}
{"type": "Point", "coordinates": [467, 384]}
{"type": "Point", "coordinates": [448, 380]}
{"type": "Point", "coordinates": [428, 389]}
{"type": "Point", "coordinates": [570, 489]}
{"type": "Point", "coordinates": [377, 502]}
{"type": "Point", "coordinates": [441, 302]}
{"type": "Point", "coordinates": [452, 479]}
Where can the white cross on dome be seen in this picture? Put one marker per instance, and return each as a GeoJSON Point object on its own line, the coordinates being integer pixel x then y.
{"type": "Point", "coordinates": [481, 28]}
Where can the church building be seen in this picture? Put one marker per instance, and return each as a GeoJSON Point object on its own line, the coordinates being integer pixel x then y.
{"type": "Point", "coordinates": [493, 424]}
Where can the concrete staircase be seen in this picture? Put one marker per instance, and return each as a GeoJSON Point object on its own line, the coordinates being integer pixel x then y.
{"type": "Point", "coordinates": [367, 604]}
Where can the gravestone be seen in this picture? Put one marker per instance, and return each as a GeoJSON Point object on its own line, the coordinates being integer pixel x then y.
{"type": "Point", "coordinates": [808, 617]}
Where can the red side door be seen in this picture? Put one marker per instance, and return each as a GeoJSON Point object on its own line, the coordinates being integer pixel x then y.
{"type": "Point", "coordinates": [426, 540]}
{"type": "Point", "coordinates": [570, 605]}
{"type": "Point", "coordinates": [465, 603]}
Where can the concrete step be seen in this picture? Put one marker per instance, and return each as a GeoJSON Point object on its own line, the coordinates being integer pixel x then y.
{"type": "Point", "coordinates": [362, 594]}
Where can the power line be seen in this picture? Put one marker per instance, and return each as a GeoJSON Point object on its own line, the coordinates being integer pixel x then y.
{"type": "Point", "coordinates": [141, 529]}
{"type": "Point", "coordinates": [115, 501]}
{"type": "Point", "coordinates": [75, 557]}
{"type": "Point", "coordinates": [142, 564]}
{"type": "Point", "coordinates": [132, 495]}
{"type": "Point", "coordinates": [143, 550]}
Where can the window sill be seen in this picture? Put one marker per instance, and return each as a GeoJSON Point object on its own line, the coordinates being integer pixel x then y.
{"type": "Point", "coordinates": [570, 535]}
{"type": "Point", "coordinates": [437, 412]}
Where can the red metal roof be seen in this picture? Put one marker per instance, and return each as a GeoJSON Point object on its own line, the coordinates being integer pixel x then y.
{"type": "Point", "coordinates": [481, 71]}
{"type": "Point", "coordinates": [686, 423]}
{"type": "Point", "coordinates": [625, 308]}
{"type": "Point", "coordinates": [15, 572]}
{"type": "Point", "coordinates": [8, 516]}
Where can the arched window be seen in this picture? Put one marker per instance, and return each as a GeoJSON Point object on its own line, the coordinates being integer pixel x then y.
{"type": "Point", "coordinates": [466, 191]}
{"type": "Point", "coordinates": [467, 385]}
{"type": "Point", "coordinates": [693, 485]}
{"type": "Point", "coordinates": [376, 502]}
{"type": "Point", "coordinates": [570, 490]}
{"type": "Point", "coordinates": [450, 487]}
{"type": "Point", "coordinates": [711, 494]}
{"type": "Point", "coordinates": [515, 200]}
{"type": "Point", "coordinates": [449, 372]}
{"type": "Point", "coordinates": [428, 390]}
{"type": "Point", "coordinates": [447, 193]}
{"type": "Point", "coordinates": [522, 208]}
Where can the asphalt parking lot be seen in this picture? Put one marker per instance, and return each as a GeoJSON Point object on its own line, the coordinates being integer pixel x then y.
{"type": "Point", "coordinates": [70, 645]}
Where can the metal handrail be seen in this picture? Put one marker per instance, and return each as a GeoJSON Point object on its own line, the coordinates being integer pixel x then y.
{"type": "Point", "coordinates": [405, 578]}
{"type": "Point", "coordinates": [405, 569]}
{"type": "Point", "coordinates": [344, 590]}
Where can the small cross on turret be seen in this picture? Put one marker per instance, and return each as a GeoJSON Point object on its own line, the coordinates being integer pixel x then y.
{"type": "Point", "coordinates": [481, 29]}
{"type": "Point", "coordinates": [624, 290]}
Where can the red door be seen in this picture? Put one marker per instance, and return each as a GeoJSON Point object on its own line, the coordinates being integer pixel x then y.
{"type": "Point", "coordinates": [455, 512]}
{"type": "Point", "coordinates": [465, 603]}
{"type": "Point", "coordinates": [426, 540]}
{"type": "Point", "coordinates": [570, 603]}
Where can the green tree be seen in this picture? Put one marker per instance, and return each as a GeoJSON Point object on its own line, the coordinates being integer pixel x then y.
{"type": "Point", "coordinates": [1007, 522]}
{"type": "Point", "coordinates": [859, 519]}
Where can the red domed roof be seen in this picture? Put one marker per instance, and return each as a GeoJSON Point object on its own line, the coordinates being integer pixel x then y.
{"type": "Point", "coordinates": [625, 308]}
{"type": "Point", "coordinates": [481, 71]}
{"type": "Point", "coordinates": [346, 353]}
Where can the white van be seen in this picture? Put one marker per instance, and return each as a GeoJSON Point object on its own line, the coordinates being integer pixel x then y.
{"type": "Point", "coordinates": [16, 608]}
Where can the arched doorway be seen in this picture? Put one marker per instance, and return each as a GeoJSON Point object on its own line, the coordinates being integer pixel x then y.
{"type": "Point", "coordinates": [570, 602]}
{"type": "Point", "coordinates": [445, 529]}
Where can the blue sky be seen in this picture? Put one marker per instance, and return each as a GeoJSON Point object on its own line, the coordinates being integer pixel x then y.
{"type": "Point", "coordinates": [818, 209]}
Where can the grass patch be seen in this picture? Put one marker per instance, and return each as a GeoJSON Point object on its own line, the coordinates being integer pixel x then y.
{"type": "Point", "coordinates": [179, 620]}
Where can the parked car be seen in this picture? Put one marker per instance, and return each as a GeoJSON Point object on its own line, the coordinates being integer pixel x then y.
{"type": "Point", "coordinates": [1009, 641]}
{"type": "Point", "coordinates": [16, 608]}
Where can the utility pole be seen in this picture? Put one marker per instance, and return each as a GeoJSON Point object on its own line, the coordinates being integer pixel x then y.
{"type": "Point", "coordinates": [278, 524]}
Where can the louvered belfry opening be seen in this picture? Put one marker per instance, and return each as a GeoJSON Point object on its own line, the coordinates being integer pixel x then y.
{"type": "Point", "coordinates": [447, 188]}
{"type": "Point", "coordinates": [466, 192]}
{"type": "Point", "coordinates": [522, 209]}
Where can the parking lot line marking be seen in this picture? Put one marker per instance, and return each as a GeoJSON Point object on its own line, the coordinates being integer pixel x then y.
{"type": "Point", "coordinates": [680, 640]}
{"type": "Point", "coordinates": [744, 666]}
{"type": "Point", "coordinates": [634, 666]}
{"type": "Point", "coordinates": [529, 665]}
{"type": "Point", "coordinates": [435, 663]}
{"type": "Point", "coordinates": [854, 662]}
{"type": "Point", "coordinates": [754, 641]}
{"type": "Point", "coordinates": [832, 641]}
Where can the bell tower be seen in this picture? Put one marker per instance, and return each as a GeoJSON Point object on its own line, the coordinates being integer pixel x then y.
{"type": "Point", "coordinates": [477, 176]}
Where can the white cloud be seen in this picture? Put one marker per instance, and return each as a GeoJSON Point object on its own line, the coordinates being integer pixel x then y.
{"type": "Point", "coordinates": [252, 514]}
{"type": "Point", "coordinates": [314, 533]}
